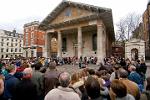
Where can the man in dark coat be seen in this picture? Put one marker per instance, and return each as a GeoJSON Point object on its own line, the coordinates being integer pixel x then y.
{"type": "Point", "coordinates": [51, 77]}
{"type": "Point", "coordinates": [38, 80]}
{"type": "Point", "coordinates": [26, 89]}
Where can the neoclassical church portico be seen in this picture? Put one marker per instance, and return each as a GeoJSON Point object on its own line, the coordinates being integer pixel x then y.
{"type": "Point", "coordinates": [80, 30]}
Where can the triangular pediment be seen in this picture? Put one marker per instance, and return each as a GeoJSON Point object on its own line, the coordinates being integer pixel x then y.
{"type": "Point", "coordinates": [78, 10]}
{"type": "Point", "coordinates": [70, 13]}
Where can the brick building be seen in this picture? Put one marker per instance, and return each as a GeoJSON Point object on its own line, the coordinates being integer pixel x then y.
{"type": "Point", "coordinates": [34, 40]}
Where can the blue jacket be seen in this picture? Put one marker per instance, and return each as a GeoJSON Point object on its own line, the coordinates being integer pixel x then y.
{"type": "Point", "coordinates": [9, 86]}
{"type": "Point", "coordinates": [135, 77]}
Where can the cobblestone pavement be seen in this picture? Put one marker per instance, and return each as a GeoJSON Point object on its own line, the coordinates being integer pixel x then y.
{"type": "Point", "coordinates": [71, 69]}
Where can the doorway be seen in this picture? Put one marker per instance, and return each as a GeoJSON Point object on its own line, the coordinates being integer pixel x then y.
{"type": "Point", "coordinates": [134, 54]}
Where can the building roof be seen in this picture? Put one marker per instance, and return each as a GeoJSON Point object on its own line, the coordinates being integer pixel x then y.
{"type": "Point", "coordinates": [103, 13]}
{"type": "Point", "coordinates": [12, 33]}
{"type": "Point", "coordinates": [134, 40]}
{"type": "Point", "coordinates": [32, 23]}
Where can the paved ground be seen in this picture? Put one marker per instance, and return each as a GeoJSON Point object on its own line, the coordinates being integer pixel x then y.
{"type": "Point", "coordinates": [71, 69]}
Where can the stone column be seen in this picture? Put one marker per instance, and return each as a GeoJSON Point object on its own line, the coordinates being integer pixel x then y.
{"type": "Point", "coordinates": [47, 44]}
{"type": "Point", "coordinates": [59, 53]}
{"type": "Point", "coordinates": [104, 42]}
{"type": "Point", "coordinates": [79, 42]}
{"type": "Point", "coordinates": [100, 44]}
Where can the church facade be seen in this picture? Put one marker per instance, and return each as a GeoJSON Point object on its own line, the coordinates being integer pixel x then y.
{"type": "Point", "coordinates": [80, 30]}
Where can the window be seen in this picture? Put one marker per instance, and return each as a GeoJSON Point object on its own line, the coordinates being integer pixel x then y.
{"type": "Point", "coordinates": [7, 44]}
{"type": "Point", "coordinates": [11, 44]}
{"type": "Point", "coordinates": [68, 12]}
{"type": "Point", "coordinates": [7, 50]}
{"type": "Point", "coordinates": [32, 35]}
{"type": "Point", "coordinates": [7, 39]}
{"type": "Point", "coordinates": [11, 49]}
{"type": "Point", "coordinates": [12, 40]}
{"type": "Point", "coordinates": [26, 30]}
{"type": "Point", "coordinates": [6, 56]}
{"type": "Point", "coordinates": [2, 39]}
{"type": "Point", "coordinates": [94, 42]}
{"type": "Point", "coordinates": [1, 44]}
{"type": "Point", "coordinates": [64, 44]}
{"type": "Point", "coordinates": [15, 49]}
{"type": "Point", "coordinates": [16, 40]}
{"type": "Point", "coordinates": [2, 49]}
{"type": "Point", "coordinates": [26, 39]}
{"type": "Point", "coordinates": [2, 56]}
{"type": "Point", "coordinates": [19, 50]}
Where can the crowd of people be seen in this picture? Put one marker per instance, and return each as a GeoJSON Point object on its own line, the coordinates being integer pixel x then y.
{"type": "Point", "coordinates": [39, 79]}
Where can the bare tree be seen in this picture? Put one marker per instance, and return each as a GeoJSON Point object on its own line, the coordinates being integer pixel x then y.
{"type": "Point", "coordinates": [127, 25]}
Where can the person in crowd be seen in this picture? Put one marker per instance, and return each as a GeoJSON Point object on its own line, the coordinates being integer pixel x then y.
{"type": "Point", "coordinates": [122, 62]}
{"type": "Point", "coordinates": [91, 71]}
{"type": "Point", "coordinates": [51, 77]}
{"type": "Point", "coordinates": [26, 89]}
{"type": "Point", "coordinates": [105, 76]}
{"type": "Point", "coordinates": [146, 94]}
{"type": "Point", "coordinates": [135, 77]}
{"type": "Point", "coordinates": [93, 88]}
{"type": "Point", "coordinates": [128, 62]}
{"type": "Point", "coordinates": [114, 75]}
{"type": "Point", "coordinates": [82, 78]}
{"type": "Point", "coordinates": [119, 90]}
{"type": "Point", "coordinates": [80, 62]}
{"type": "Point", "coordinates": [1, 85]}
{"type": "Point", "coordinates": [10, 82]}
{"type": "Point", "coordinates": [103, 90]}
{"type": "Point", "coordinates": [132, 87]}
{"type": "Point", "coordinates": [142, 68]}
{"type": "Point", "coordinates": [38, 80]}
{"type": "Point", "coordinates": [76, 82]}
{"type": "Point", "coordinates": [63, 92]}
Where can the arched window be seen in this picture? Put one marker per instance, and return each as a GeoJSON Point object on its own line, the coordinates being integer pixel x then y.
{"type": "Point", "coordinates": [2, 56]}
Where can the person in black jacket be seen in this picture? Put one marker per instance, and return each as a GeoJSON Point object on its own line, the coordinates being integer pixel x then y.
{"type": "Point", "coordinates": [26, 90]}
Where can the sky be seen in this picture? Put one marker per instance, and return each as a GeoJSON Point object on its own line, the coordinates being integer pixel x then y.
{"type": "Point", "coordinates": [15, 13]}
